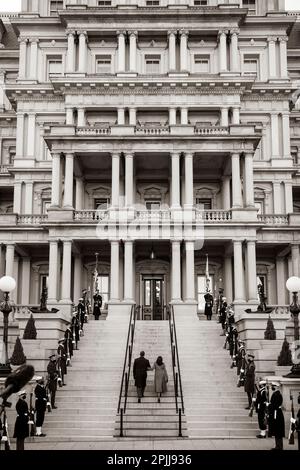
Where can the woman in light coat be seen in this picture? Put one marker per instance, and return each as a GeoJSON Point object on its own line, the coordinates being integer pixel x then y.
{"type": "Point", "coordinates": [160, 377]}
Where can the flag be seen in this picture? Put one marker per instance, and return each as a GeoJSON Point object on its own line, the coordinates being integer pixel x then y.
{"type": "Point", "coordinates": [207, 275]}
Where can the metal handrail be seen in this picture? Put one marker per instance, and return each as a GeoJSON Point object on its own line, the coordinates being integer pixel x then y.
{"type": "Point", "coordinates": [176, 359]}
{"type": "Point", "coordinates": [175, 377]}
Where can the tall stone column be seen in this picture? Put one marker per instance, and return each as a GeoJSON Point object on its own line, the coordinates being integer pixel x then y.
{"type": "Point", "coordinates": [236, 116]}
{"type": "Point", "coordinates": [115, 189]}
{"type": "Point", "coordinates": [175, 158]}
{"type": "Point", "coordinates": [17, 197]}
{"type": "Point", "coordinates": [251, 268]}
{"type": "Point", "coordinates": [129, 180]}
{"type": "Point", "coordinates": [56, 180]}
{"type": "Point", "coordinates": [226, 193]}
{"type": "Point", "coordinates": [128, 271]}
{"type": "Point", "coordinates": [237, 201]}
{"type": "Point", "coordinates": [71, 51]}
{"type": "Point", "coordinates": [132, 51]}
{"type": "Point", "coordinates": [277, 197]}
{"type": "Point", "coordinates": [53, 272]}
{"type": "Point", "coordinates": [295, 260]}
{"type": "Point", "coordinates": [176, 271]}
{"type": "Point", "coordinates": [121, 116]}
{"type": "Point", "coordinates": [223, 50]}
{"type": "Point", "coordinates": [234, 51]}
{"type": "Point", "coordinates": [189, 179]}
{"type": "Point", "coordinates": [69, 181]}
{"type": "Point", "coordinates": [23, 58]}
{"type": "Point", "coordinates": [184, 116]}
{"type": "Point", "coordinates": [280, 281]}
{"type": "Point", "coordinates": [82, 63]}
{"type": "Point", "coordinates": [172, 51]}
{"type": "Point", "coordinates": [286, 135]}
{"type": "Point", "coordinates": [275, 135]}
{"type": "Point", "coordinates": [20, 135]}
{"type": "Point", "coordinates": [224, 117]}
{"type": "Point", "coordinates": [228, 281]}
{"type": "Point", "coordinates": [190, 271]}
{"type": "Point", "coordinates": [288, 188]}
{"type": "Point", "coordinates": [10, 256]}
{"type": "Point", "coordinates": [77, 277]}
{"type": "Point", "coordinates": [25, 287]}
{"type": "Point", "coordinates": [239, 276]}
{"type": "Point", "coordinates": [283, 57]}
{"type": "Point", "coordinates": [183, 51]}
{"type": "Point", "coordinates": [272, 56]}
{"type": "Point", "coordinates": [79, 192]}
{"type": "Point", "coordinates": [70, 116]}
{"type": "Point", "coordinates": [31, 135]}
{"type": "Point", "coordinates": [33, 58]}
{"type": "Point", "coordinates": [132, 116]}
{"type": "Point", "coordinates": [66, 272]}
{"type": "Point", "coordinates": [28, 197]}
{"type": "Point", "coordinates": [114, 271]}
{"type": "Point", "coordinates": [172, 116]}
{"type": "Point", "coordinates": [249, 186]}
{"type": "Point", "coordinates": [121, 51]}
{"type": "Point", "coordinates": [81, 117]}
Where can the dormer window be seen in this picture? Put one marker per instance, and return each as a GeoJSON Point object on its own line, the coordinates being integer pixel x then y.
{"type": "Point", "coordinates": [104, 3]}
{"type": "Point", "coordinates": [200, 3]}
{"type": "Point", "coordinates": [152, 3]}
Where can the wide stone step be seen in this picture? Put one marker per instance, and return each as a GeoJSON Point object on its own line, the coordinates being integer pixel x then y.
{"type": "Point", "coordinates": [151, 433]}
{"type": "Point", "coordinates": [151, 426]}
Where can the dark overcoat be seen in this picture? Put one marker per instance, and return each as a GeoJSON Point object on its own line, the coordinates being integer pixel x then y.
{"type": "Point", "coordinates": [69, 339]}
{"type": "Point", "coordinates": [53, 376]}
{"type": "Point", "coordinates": [261, 407]}
{"type": "Point", "coordinates": [40, 404]}
{"type": "Point", "coordinates": [250, 378]}
{"type": "Point", "coordinates": [81, 312]}
{"type": "Point", "coordinates": [276, 418]}
{"type": "Point", "coordinates": [97, 305]}
{"type": "Point", "coordinates": [21, 430]}
{"type": "Point", "coordinates": [140, 367]}
{"type": "Point", "coordinates": [240, 359]}
{"type": "Point", "coordinates": [62, 359]}
{"type": "Point", "coordinates": [209, 301]}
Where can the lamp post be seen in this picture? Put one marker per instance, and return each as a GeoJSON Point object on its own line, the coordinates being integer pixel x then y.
{"type": "Point", "coordinates": [293, 286]}
{"type": "Point", "coordinates": [7, 285]}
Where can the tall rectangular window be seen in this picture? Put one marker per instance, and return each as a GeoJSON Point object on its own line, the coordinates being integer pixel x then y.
{"type": "Point", "coordinates": [54, 66]}
{"type": "Point", "coordinates": [201, 64]}
{"type": "Point", "coordinates": [55, 5]}
{"type": "Point", "coordinates": [103, 64]}
{"type": "Point", "coordinates": [152, 3]}
{"type": "Point", "coordinates": [104, 3]}
{"type": "Point", "coordinates": [250, 65]}
{"type": "Point", "coordinates": [251, 5]}
{"type": "Point", "coordinates": [200, 3]}
{"type": "Point", "coordinates": [152, 64]}
{"type": "Point", "coordinates": [103, 286]}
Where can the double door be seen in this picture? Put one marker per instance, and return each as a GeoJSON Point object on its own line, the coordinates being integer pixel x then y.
{"type": "Point", "coordinates": [153, 298]}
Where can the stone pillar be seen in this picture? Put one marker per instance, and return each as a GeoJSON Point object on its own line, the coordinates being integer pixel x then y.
{"type": "Point", "coordinates": [189, 179]}
{"type": "Point", "coordinates": [23, 58]}
{"type": "Point", "coordinates": [69, 183]}
{"type": "Point", "coordinates": [121, 116]}
{"type": "Point", "coordinates": [79, 191]}
{"type": "Point", "coordinates": [70, 116]}
{"type": "Point", "coordinates": [248, 183]}
{"type": "Point", "coordinates": [283, 57]}
{"type": "Point", "coordinates": [71, 52]}
{"type": "Point", "coordinates": [56, 180]}
{"type": "Point", "coordinates": [53, 272]}
{"type": "Point", "coordinates": [226, 193]}
{"type": "Point", "coordinates": [251, 271]}
{"type": "Point", "coordinates": [77, 278]}
{"type": "Point", "coordinates": [280, 281]}
{"type": "Point", "coordinates": [288, 188]}
{"type": "Point", "coordinates": [81, 117]}
{"type": "Point", "coordinates": [17, 197]}
{"type": "Point", "coordinates": [82, 63]}
{"type": "Point", "coordinates": [121, 51]}
{"type": "Point", "coordinates": [183, 51]}
{"type": "Point", "coordinates": [184, 116]}
{"type": "Point", "coordinates": [236, 116]}
{"type": "Point", "coordinates": [176, 271]}
{"type": "Point", "coordinates": [239, 276]}
{"type": "Point", "coordinates": [31, 135]}
{"type": "Point", "coordinates": [223, 50]}
{"type": "Point", "coordinates": [114, 271]}
{"type": "Point", "coordinates": [295, 260]}
{"type": "Point", "coordinates": [234, 51]}
{"type": "Point", "coordinates": [228, 282]}
{"type": "Point", "coordinates": [172, 51]}
{"type": "Point", "coordinates": [25, 288]}
{"type": "Point", "coordinates": [20, 136]}
{"type": "Point", "coordinates": [275, 135]}
{"type": "Point", "coordinates": [175, 157]}
{"type": "Point", "coordinates": [277, 197]}
{"type": "Point", "coordinates": [272, 56]}
{"type": "Point", "coordinates": [224, 117]}
{"type": "Point", "coordinates": [115, 187]}
{"type": "Point", "coordinates": [190, 271]}
{"type": "Point", "coordinates": [286, 135]}
{"type": "Point", "coordinates": [33, 58]}
{"type": "Point", "coordinates": [66, 272]}
{"type": "Point", "coordinates": [132, 51]}
{"type": "Point", "coordinates": [128, 271]}
{"type": "Point", "coordinates": [132, 116]}
{"type": "Point", "coordinates": [172, 116]}
{"type": "Point", "coordinates": [10, 256]}
{"type": "Point", "coordinates": [28, 197]}
{"type": "Point", "coordinates": [129, 180]}
{"type": "Point", "coordinates": [237, 201]}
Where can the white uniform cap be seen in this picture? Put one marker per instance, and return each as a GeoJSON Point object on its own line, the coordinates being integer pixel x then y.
{"type": "Point", "coordinates": [23, 392]}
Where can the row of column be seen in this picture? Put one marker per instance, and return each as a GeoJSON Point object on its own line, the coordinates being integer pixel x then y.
{"type": "Point", "coordinates": [224, 37]}
{"type": "Point", "coordinates": [272, 55]}
{"type": "Point", "coordinates": [280, 126]}
{"type": "Point", "coordinates": [28, 65]}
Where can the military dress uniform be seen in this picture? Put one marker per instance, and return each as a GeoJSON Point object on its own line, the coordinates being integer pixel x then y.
{"type": "Point", "coordinates": [62, 360]}
{"type": "Point", "coordinates": [21, 430]}
{"type": "Point", "coordinates": [40, 407]}
{"type": "Point", "coordinates": [209, 302]}
{"type": "Point", "coordinates": [250, 379]}
{"type": "Point", "coordinates": [276, 418]}
{"type": "Point", "coordinates": [81, 312]}
{"type": "Point", "coordinates": [233, 345]}
{"type": "Point", "coordinates": [97, 305]}
{"type": "Point", "coordinates": [52, 379]}
{"type": "Point", "coordinates": [69, 341]}
{"type": "Point", "coordinates": [261, 409]}
{"type": "Point", "coordinates": [75, 327]}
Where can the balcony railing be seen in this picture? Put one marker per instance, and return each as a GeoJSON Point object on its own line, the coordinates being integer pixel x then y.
{"type": "Point", "coordinates": [214, 215]}
{"type": "Point", "coordinates": [211, 130]}
{"type": "Point", "coordinates": [32, 219]}
{"type": "Point", "coordinates": [273, 219]}
{"type": "Point", "coordinates": [5, 169]}
{"type": "Point", "coordinates": [145, 130]}
{"type": "Point", "coordinates": [87, 130]}
{"type": "Point", "coordinates": [90, 216]}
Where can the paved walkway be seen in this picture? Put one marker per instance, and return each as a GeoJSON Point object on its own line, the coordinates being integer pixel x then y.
{"type": "Point", "coordinates": [188, 444]}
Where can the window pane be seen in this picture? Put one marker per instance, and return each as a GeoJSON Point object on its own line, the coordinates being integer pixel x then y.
{"type": "Point", "coordinates": [147, 285]}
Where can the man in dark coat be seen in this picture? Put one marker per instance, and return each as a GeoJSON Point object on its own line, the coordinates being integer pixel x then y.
{"type": "Point", "coordinates": [40, 406]}
{"type": "Point", "coordinates": [276, 417]}
{"type": "Point", "coordinates": [241, 363]}
{"type": "Point", "coordinates": [52, 379]}
{"type": "Point", "coordinates": [81, 312]}
{"type": "Point", "coordinates": [75, 327]}
{"type": "Point", "coordinates": [62, 360]}
{"type": "Point", "coordinates": [298, 423]}
{"type": "Point", "coordinates": [69, 342]}
{"type": "Point", "coordinates": [21, 430]}
{"type": "Point", "coordinates": [250, 379]}
{"type": "Point", "coordinates": [233, 345]}
{"type": "Point", "coordinates": [209, 302]}
{"type": "Point", "coordinates": [223, 315]}
{"type": "Point", "coordinates": [97, 305]}
{"type": "Point", "coordinates": [261, 409]}
{"type": "Point", "coordinates": [140, 367]}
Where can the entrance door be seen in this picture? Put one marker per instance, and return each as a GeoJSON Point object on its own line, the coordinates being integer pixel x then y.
{"type": "Point", "coordinates": [153, 298]}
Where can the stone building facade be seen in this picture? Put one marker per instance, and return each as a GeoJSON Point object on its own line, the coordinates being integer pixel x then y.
{"type": "Point", "coordinates": [149, 112]}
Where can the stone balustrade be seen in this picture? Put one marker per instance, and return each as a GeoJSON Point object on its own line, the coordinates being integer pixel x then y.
{"type": "Point", "coordinates": [5, 169]}
{"type": "Point", "coordinates": [93, 130]}
{"type": "Point", "coordinates": [280, 309]}
{"type": "Point", "coordinates": [211, 130]}
{"type": "Point", "coordinates": [90, 215]}
{"type": "Point", "coordinates": [159, 130]}
{"type": "Point", "coordinates": [32, 219]}
{"type": "Point", "coordinates": [214, 215]}
{"type": "Point", "coordinates": [273, 219]}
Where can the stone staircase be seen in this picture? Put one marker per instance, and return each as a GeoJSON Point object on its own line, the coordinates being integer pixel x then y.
{"type": "Point", "coordinates": [150, 419]}
{"type": "Point", "coordinates": [87, 405]}
{"type": "Point", "coordinates": [214, 406]}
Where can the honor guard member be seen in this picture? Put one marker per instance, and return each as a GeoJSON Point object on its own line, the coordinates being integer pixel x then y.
{"type": "Point", "coordinates": [223, 315]}
{"type": "Point", "coordinates": [276, 417]}
{"type": "Point", "coordinates": [233, 345]}
{"type": "Point", "coordinates": [97, 305]}
{"type": "Point", "coordinates": [241, 363]}
{"type": "Point", "coordinates": [250, 379]}
{"type": "Point", "coordinates": [62, 360]}
{"type": "Point", "coordinates": [209, 302]}
{"type": "Point", "coordinates": [261, 409]}
{"type": "Point", "coordinates": [75, 327]}
{"type": "Point", "coordinates": [21, 430]}
{"type": "Point", "coordinates": [69, 341]}
{"type": "Point", "coordinates": [81, 312]}
{"type": "Point", "coordinates": [40, 406]}
{"type": "Point", "coordinates": [52, 379]}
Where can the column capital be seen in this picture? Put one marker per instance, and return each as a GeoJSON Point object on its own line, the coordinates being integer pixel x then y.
{"type": "Point", "coordinates": [188, 155]}
{"type": "Point", "coordinates": [22, 40]}
{"type": "Point", "coordinates": [234, 31]}
{"type": "Point", "coordinates": [121, 33]}
{"type": "Point", "coordinates": [129, 155]}
{"type": "Point", "coordinates": [56, 154]}
{"type": "Point", "coordinates": [183, 32]}
{"type": "Point", "coordinates": [34, 40]}
{"type": "Point", "coordinates": [70, 32]}
{"type": "Point", "coordinates": [172, 31]}
{"type": "Point", "coordinates": [133, 33]}
{"type": "Point", "coordinates": [175, 154]}
{"type": "Point", "coordinates": [271, 39]}
{"type": "Point", "coordinates": [283, 39]}
{"type": "Point", "coordinates": [222, 32]}
{"type": "Point", "coordinates": [82, 33]}
{"type": "Point", "coordinates": [69, 155]}
{"type": "Point", "coordinates": [115, 155]}
{"type": "Point", "coordinates": [249, 153]}
{"type": "Point", "coordinates": [235, 155]}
